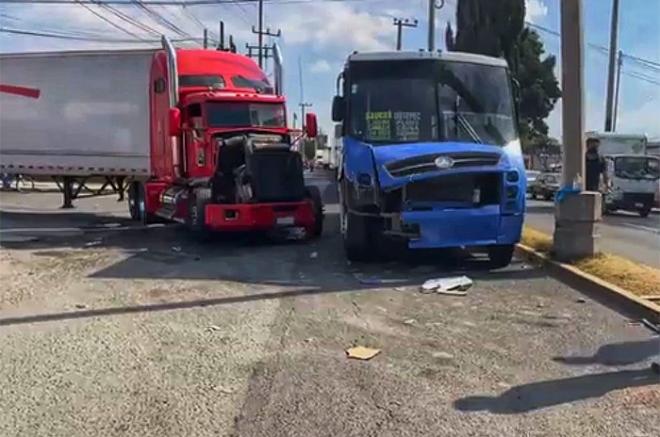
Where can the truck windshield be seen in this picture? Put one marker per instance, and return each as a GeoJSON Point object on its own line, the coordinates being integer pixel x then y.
{"type": "Point", "coordinates": [239, 114]}
{"type": "Point", "coordinates": [430, 100]}
{"type": "Point", "coordinates": [637, 167]}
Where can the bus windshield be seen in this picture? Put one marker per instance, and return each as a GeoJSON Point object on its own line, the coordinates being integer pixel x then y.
{"type": "Point", "coordinates": [430, 100]}
{"type": "Point", "coordinates": [239, 114]}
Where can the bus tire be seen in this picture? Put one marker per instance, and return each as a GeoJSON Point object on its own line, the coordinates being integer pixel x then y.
{"type": "Point", "coordinates": [314, 195]}
{"type": "Point", "coordinates": [500, 256]}
{"type": "Point", "coordinates": [357, 238]}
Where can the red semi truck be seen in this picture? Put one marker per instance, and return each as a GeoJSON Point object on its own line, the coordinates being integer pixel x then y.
{"type": "Point", "coordinates": [199, 135]}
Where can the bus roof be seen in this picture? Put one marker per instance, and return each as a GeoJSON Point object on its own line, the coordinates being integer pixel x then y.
{"type": "Point", "coordinates": [423, 55]}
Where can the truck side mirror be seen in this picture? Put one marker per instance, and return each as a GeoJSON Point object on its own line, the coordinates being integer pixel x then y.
{"type": "Point", "coordinates": [311, 125]}
{"type": "Point", "coordinates": [174, 122]}
{"type": "Point", "coordinates": [338, 109]}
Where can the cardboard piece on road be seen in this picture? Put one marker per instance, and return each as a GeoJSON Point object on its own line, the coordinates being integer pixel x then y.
{"type": "Point", "coordinates": [361, 353]}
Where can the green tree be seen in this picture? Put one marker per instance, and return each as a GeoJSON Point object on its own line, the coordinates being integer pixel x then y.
{"type": "Point", "coordinates": [497, 28]}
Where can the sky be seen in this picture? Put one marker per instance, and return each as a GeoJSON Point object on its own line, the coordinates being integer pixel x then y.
{"type": "Point", "coordinates": [318, 35]}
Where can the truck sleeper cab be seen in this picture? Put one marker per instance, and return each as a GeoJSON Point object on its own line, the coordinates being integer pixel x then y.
{"type": "Point", "coordinates": [221, 151]}
{"type": "Point", "coordinates": [430, 155]}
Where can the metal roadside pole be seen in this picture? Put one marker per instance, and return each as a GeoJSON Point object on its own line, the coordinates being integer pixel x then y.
{"type": "Point", "coordinates": [577, 211]}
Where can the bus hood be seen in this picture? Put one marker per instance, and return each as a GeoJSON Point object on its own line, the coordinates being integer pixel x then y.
{"type": "Point", "coordinates": [400, 164]}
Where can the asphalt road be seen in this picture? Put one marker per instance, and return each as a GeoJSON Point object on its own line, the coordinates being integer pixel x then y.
{"type": "Point", "coordinates": [621, 233]}
{"type": "Point", "coordinates": [109, 329]}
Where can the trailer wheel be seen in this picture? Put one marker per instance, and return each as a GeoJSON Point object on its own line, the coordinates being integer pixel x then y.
{"type": "Point", "coordinates": [644, 212]}
{"type": "Point", "coordinates": [314, 194]}
{"type": "Point", "coordinates": [197, 201]}
{"type": "Point", "coordinates": [500, 256]}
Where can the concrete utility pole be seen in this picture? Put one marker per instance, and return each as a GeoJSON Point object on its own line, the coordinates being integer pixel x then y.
{"type": "Point", "coordinates": [400, 23]}
{"type": "Point", "coordinates": [433, 5]}
{"type": "Point", "coordinates": [618, 91]}
{"type": "Point", "coordinates": [206, 38]}
{"type": "Point", "coordinates": [577, 213]}
{"type": "Point", "coordinates": [260, 32]}
{"type": "Point", "coordinates": [614, 36]}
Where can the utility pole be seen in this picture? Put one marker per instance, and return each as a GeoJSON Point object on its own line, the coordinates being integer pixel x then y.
{"type": "Point", "coordinates": [206, 38]}
{"type": "Point", "coordinates": [302, 103]}
{"type": "Point", "coordinates": [618, 91]}
{"type": "Point", "coordinates": [577, 211]}
{"type": "Point", "coordinates": [261, 33]}
{"type": "Point", "coordinates": [614, 33]}
{"type": "Point", "coordinates": [400, 23]}
{"type": "Point", "coordinates": [433, 5]}
{"type": "Point", "coordinates": [265, 54]}
{"type": "Point", "coordinates": [303, 107]}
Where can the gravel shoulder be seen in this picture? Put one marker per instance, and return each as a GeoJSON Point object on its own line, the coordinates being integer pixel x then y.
{"type": "Point", "coordinates": [146, 333]}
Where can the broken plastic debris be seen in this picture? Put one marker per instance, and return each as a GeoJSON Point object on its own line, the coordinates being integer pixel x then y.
{"type": "Point", "coordinates": [580, 300]}
{"type": "Point", "coordinates": [176, 249]}
{"type": "Point", "coordinates": [455, 286]}
{"type": "Point", "coordinates": [314, 255]}
{"type": "Point", "coordinates": [410, 322]}
{"type": "Point", "coordinates": [214, 328]}
{"type": "Point", "coordinates": [362, 353]}
{"type": "Point", "coordinates": [93, 243]}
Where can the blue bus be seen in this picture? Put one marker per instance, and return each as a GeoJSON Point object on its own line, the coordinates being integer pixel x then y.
{"type": "Point", "coordinates": [431, 154]}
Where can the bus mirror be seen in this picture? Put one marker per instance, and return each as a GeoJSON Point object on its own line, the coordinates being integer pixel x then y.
{"type": "Point", "coordinates": [311, 125]}
{"type": "Point", "coordinates": [516, 90]}
{"type": "Point", "coordinates": [338, 109]}
{"type": "Point", "coordinates": [174, 122]}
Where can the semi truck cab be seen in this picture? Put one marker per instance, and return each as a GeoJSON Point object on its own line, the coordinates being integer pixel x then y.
{"type": "Point", "coordinates": [431, 154]}
{"type": "Point", "coordinates": [222, 157]}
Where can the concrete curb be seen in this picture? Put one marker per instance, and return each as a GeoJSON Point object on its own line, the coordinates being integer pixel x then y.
{"type": "Point", "coordinates": [608, 294]}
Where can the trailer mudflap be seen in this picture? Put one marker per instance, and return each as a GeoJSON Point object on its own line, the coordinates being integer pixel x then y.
{"type": "Point", "coordinates": [454, 227]}
{"type": "Point", "coordinates": [259, 216]}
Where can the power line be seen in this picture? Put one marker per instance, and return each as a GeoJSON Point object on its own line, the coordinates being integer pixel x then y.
{"type": "Point", "coordinates": [127, 18]}
{"type": "Point", "coordinates": [90, 38]}
{"type": "Point", "coordinates": [159, 18]}
{"type": "Point", "coordinates": [110, 22]}
{"type": "Point", "coordinates": [641, 61]}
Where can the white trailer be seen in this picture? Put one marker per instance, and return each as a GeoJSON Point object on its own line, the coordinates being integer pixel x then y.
{"type": "Point", "coordinates": [75, 115]}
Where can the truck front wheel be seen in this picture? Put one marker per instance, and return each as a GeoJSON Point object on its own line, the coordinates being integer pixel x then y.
{"type": "Point", "coordinates": [644, 212]}
{"type": "Point", "coordinates": [197, 201]}
{"type": "Point", "coordinates": [500, 256]}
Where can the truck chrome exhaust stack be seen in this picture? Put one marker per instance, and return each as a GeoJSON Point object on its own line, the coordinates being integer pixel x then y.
{"type": "Point", "coordinates": [172, 73]}
{"type": "Point", "coordinates": [279, 70]}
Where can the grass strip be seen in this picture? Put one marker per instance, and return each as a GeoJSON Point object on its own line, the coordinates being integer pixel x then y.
{"type": "Point", "coordinates": [636, 278]}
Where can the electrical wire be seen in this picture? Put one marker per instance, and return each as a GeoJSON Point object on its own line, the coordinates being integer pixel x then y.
{"type": "Point", "coordinates": [90, 38]}
{"type": "Point", "coordinates": [110, 22]}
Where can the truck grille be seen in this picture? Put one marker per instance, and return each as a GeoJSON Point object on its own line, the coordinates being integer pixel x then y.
{"type": "Point", "coordinates": [426, 163]}
{"type": "Point", "coordinates": [646, 198]}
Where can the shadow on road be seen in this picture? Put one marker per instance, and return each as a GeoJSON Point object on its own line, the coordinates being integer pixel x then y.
{"type": "Point", "coordinates": [616, 354]}
{"type": "Point", "coordinates": [537, 395]}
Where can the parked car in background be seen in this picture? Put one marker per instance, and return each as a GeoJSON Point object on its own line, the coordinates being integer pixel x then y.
{"type": "Point", "coordinates": [532, 175]}
{"type": "Point", "coordinates": [546, 186]}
